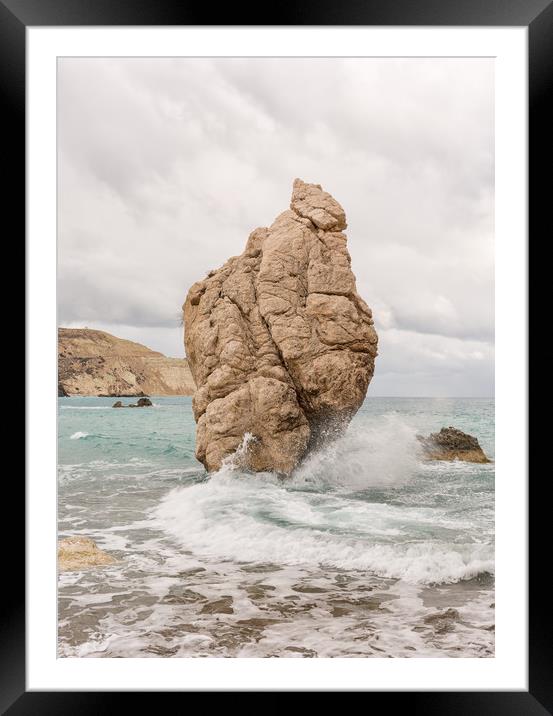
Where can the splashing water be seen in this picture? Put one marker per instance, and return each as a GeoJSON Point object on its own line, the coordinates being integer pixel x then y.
{"type": "Point", "coordinates": [367, 455]}
{"type": "Point", "coordinates": [237, 460]}
{"type": "Point", "coordinates": [348, 556]}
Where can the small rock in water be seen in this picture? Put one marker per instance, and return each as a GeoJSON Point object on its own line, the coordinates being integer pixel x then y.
{"type": "Point", "coordinates": [76, 553]}
{"type": "Point", "coordinates": [452, 444]}
{"type": "Point", "coordinates": [141, 403]}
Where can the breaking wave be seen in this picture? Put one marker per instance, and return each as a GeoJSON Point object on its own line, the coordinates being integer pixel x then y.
{"type": "Point", "coordinates": [337, 509]}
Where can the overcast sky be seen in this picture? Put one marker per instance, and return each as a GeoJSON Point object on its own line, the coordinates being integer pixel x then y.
{"type": "Point", "coordinates": [167, 165]}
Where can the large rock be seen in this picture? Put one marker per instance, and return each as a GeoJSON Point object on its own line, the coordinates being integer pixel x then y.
{"type": "Point", "coordinates": [452, 444]}
{"type": "Point", "coordinates": [280, 345]}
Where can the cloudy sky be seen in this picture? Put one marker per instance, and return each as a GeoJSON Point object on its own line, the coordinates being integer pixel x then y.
{"type": "Point", "coordinates": [166, 166]}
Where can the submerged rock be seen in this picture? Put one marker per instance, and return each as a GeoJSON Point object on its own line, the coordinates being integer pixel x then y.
{"type": "Point", "coordinates": [443, 622]}
{"type": "Point", "coordinates": [219, 606]}
{"type": "Point", "coordinates": [452, 444]}
{"type": "Point", "coordinates": [76, 553]}
{"type": "Point", "coordinates": [280, 344]}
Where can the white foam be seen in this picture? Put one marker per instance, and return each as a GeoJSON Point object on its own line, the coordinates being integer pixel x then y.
{"type": "Point", "coordinates": [78, 435]}
{"type": "Point", "coordinates": [250, 519]}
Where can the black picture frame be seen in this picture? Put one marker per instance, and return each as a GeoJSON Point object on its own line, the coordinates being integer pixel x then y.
{"type": "Point", "coordinates": [537, 15]}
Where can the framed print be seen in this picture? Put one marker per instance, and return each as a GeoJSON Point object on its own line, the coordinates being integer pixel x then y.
{"type": "Point", "coordinates": [277, 417]}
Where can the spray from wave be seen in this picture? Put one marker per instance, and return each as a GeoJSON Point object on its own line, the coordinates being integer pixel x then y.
{"type": "Point", "coordinates": [365, 456]}
{"type": "Point", "coordinates": [237, 460]}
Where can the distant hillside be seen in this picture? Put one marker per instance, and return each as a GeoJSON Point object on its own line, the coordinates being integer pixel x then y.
{"type": "Point", "coordinates": [96, 363]}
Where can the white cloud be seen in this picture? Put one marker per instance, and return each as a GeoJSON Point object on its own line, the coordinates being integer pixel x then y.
{"type": "Point", "coordinates": [166, 165]}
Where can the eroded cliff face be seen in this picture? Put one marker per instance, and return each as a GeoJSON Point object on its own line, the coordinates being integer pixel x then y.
{"type": "Point", "coordinates": [93, 362]}
{"type": "Point", "coordinates": [279, 342]}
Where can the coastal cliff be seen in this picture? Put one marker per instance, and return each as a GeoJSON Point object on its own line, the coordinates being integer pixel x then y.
{"type": "Point", "coordinates": [92, 362]}
{"type": "Point", "coordinates": [280, 344]}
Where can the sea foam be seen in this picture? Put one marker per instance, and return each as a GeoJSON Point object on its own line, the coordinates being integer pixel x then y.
{"type": "Point", "coordinates": [78, 435]}
{"type": "Point", "coordinates": [231, 518]}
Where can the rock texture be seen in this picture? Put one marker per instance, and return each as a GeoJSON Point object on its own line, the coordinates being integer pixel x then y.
{"type": "Point", "coordinates": [452, 444]}
{"type": "Point", "coordinates": [76, 553]}
{"type": "Point", "coordinates": [279, 342]}
{"type": "Point", "coordinates": [96, 363]}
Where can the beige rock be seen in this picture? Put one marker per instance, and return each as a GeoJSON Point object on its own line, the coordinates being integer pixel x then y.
{"type": "Point", "coordinates": [94, 362]}
{"type": "Point", "coordinates": [280, 345]}
{"type": "Point", "coordinates": [76, 553]}
{"type": "Point", "coordinates": [452, 444]}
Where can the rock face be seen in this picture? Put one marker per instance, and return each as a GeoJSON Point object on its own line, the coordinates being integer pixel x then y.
{"type": "Point", "coordinates": [280, 344]}
{"type": "Point", "coordinates": [96, 363]}
{"type": "Point", "coordinates": [452, 444]}
{"type": "Point", "coordinates": [76, 553]}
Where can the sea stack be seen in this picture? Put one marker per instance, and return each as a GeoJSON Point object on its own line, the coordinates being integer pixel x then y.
{"type": "Point", "coordinates": [280, 344]}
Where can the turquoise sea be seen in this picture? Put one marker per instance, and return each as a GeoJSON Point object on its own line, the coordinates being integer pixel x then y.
{"type": "Point", "coordinates": [364, 551]}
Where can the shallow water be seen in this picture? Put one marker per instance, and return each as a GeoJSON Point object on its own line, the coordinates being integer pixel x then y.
{"type": "Point", "coordinates": [365, 551]}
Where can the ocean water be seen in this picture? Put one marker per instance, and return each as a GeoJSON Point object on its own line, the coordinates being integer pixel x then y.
{"type": "Point", "coordinates": [364, 552]}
